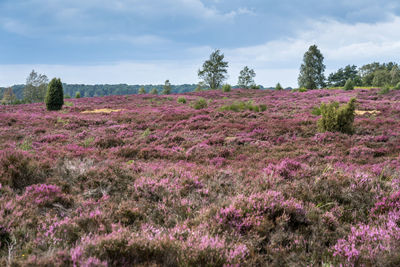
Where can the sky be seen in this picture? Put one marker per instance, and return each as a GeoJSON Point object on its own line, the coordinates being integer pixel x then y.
{"type": "Point", "coordinates": [149, 41]}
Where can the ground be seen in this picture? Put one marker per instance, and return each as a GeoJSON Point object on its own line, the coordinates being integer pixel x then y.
{"type": "Point", "coordinates": [145, 180]}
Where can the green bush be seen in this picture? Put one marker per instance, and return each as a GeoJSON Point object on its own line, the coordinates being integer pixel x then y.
{"type": "Point", "coordinates": [255, 87]}
{"type": "Point", "coordinates": [384, 90]}
{"type": "Point", "coordinates": [397, 87]}
{"type": "Point", "coordinates": [278, 87]}
{"type": "Point", "coordinates": [241, 106]}
{"type": "Point", "coordinates": [67, 96]}
{"type": "Point", "coordinates": [154, 91]}
{"type": "Point", "coordinates": [302, 90]}
{"type": "Point", "coordinates": [78, 95]}
{"type": "Point", "coordinates": [226, 88]}
{"type": "Point", "coordinates": [181, 100]}
{"type": "Point", "coordinates": [200, 103]}
{"type": "Point", "coordinates": [349, 85]}
{"type": "Point", "coordinates": [337, 119]}
{"type": "Point", "coordinates": [55, 95]}
{"type": "Point", "coordinates": [316, 111]}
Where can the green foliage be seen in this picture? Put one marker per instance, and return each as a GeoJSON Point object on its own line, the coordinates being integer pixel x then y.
{"type": "Point", "coordinates": [337, 119]}
{"type": "Point", "coordinates": [241, 106]}
{"type": "Point", "coordinates": [312, 70]}
{"type": "Point", "coordinates": [167, 88]}
{"type": "Point", "coordinates": [54, 96]}
{"type": "Point", "coordinates": [35, 88]}
{"type": "Point", "coordinates": [255, 87]}
{"type": "Point", "coordinates": [397, 87]}
{"type": "Point", "coordinates": [146, 132]}
{"type": "Point", "coordinates": [78, 95]}
{"type": "Point", "coordinates": [349, 85]}
{"type": "Point", "coordinates": [8, 97]}
{"type": "Point", "coordinates": [378, 75]}
{"type": "Point", "coordinates": [154, 91]}
{"type": "Point", "coordinates": [142, 91]}
{"type": "Point", "coordinates": [200, 103]}
{"type": "Point", "coordinates": [316, 111]}
{"type": "Point", "coordinates": [181, 100]}
{"type": "Point", "coordinates": [214, 70]}
{"type": "Point", "coordinates": [26, 145]}
{"type": "Point", "coordinates": [384, 90]}
{"type": "Point", "coordinates": [226, 88]}
{"type": "Point", "coordinates": [340, 77]}
{"type": "Point", "coordinates": [69, 104]}
{"type": "Point", "coordinates": [67, 96]}
{"type": "Point", "coordinates": [278, 87]}
{"type": "Point", "coordinates": [246, 78]}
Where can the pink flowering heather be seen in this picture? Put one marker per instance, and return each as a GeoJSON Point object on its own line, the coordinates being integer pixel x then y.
{"type": "Point", "coordinates": [142, 180]}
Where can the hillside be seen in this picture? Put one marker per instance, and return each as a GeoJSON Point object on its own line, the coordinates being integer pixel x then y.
{"type": "Point", "coordinates": [141, 179]}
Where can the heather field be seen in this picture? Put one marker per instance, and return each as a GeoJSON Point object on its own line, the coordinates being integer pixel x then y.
{"type": "Point", "coordinates": [152, 181]}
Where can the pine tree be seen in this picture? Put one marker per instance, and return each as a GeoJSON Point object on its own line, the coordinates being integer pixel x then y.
{"type": "Point", "coordinates": [78, 95]}
{"type": "Point", "coordinates": [55, 95]}
{"type": "Point", "coordinates": [214, 70]}
{"type": "Point", "coordinates": [349, 85]}
{"type": "Point", "coordinates": [278, 87]}
{"type": "Point", "coordinates": [312, 70]}
{"type": "Point", "coordinates": [154, 91]}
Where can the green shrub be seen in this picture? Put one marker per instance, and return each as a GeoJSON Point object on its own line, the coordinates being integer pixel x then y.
{"type": "Point", "coordinates": [154, 91]}
{"type": "Point", "coordinates": [55, 95]}
{"type": "Point", "coordinates": [181, 100]}
{"type": "Point", "coordinates": [226, 88]}
{"type": "Point", "coordinates": [67, 96]}
{"type": "Point", "coordinates": [200, 103]}
{"type": "Point", "coordinates": [241, 106]}
{"type": "Point", "coordinates": [384, 90]}
{"type": "Point", "coordinates": [349, 85]}
{"type": "Point", "coordinates": [397, 87]}
{"type": "Point", "coordinates": [316, 111]}
{"type": "Point", "coordinates": [337, 119]}
{"type": "Point", "coordinates": [78, 95]}
{"type": "Point", "coordinates": [278, 87]}
{"type": "Point", "coordinates": [255, 87]}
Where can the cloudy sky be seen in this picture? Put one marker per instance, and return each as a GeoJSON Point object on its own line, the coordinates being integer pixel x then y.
{"type": "Point", "coordinates": [149, 41]}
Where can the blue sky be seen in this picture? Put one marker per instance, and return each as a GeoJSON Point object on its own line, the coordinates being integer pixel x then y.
{"type": "Point", "coordinates": [149, 41]}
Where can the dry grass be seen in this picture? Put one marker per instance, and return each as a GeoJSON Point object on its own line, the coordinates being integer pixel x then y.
{"type": "Point", "coordinates": [103, 110]}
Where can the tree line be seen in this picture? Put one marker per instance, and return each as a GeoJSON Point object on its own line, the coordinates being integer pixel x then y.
{"type": "Point", "coordinates": [212, 75]}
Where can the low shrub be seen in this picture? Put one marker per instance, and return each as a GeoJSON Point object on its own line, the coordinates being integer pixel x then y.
{"type": "Point", "coordinates": [18, 169]}
{"type": "Point", "coordinates": [78, 95]}
{"type": "Point", "coordinates": [337, 119]}
{"type": "Point", "coordinates": [384, 90]}
{"type": "Point", "coordinates": [200, 103]}
{"type": "Point", "coordinates": [226, 88]}
{"type": "Point", "coordinates": [181, 100]}
{"type": "Point", "coordinates": [397, 87]}
{"type": "Point", "coordinates": [241, 106]}
{"type": "Point", "coordinates": [349, 85]}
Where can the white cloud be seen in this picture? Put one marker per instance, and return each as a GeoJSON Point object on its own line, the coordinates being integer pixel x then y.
{"type": "Point", "coordinates": [340, 43]}
{"type": "Point", "coordinates": [275, 61]}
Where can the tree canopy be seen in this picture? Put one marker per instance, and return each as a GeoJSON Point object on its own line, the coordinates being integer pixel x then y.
{"type": "Point", "coordinates": [214, 70]}
{"type": "Point", "coordinates": [246, 78]}
{"type": "Point", "coordinates": [312, 70]}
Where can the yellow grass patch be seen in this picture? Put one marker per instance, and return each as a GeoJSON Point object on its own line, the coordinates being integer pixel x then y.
{"type": "Point", "coordinates": [362, 112]}
{"type": "Point", "coordinates": [102, 110]}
